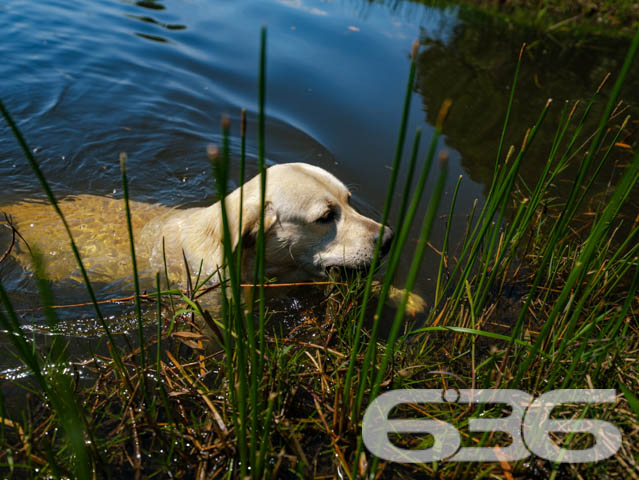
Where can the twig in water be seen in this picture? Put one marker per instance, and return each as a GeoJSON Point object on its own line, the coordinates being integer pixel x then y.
{"type": "Point", "coordinates": [14, 232]}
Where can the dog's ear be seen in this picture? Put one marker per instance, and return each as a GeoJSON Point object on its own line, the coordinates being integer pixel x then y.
{"type": "Point", "coordinates": [251, 223]}
{"type": "Point", "coordinates": [250, 220]}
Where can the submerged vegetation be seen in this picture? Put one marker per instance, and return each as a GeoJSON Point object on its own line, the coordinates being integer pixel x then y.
{"type": "Point", "coordinates": [262, 401]}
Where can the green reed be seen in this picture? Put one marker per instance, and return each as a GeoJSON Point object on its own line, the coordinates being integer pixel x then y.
{"type": "Point", "coordinates": [558, 231]}
{"type": "Point", "coordinates": [499, 170]}
{"type": "Point", "coordinates": [494, 206]}
{"type": "Point", "coordinates": [231, 308]}
{"type": "Point", "coordinates": [261, 159]}
{"type": "Point", "coordinates": [578, 274]}
{"type": "Point", "coordinates": [158, 351]}
{"type": "Point", "coordinates": [444, 251]}
{"type": "Point", "coordinates": [250, 323]}
{"type": "Point", "coordinates": [136, 277]}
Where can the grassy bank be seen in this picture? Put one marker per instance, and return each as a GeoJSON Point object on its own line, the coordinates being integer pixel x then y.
{"type": "Point", "coordinates": [606, 17]}
{"type": "Point", "coordinates": [535, 297]}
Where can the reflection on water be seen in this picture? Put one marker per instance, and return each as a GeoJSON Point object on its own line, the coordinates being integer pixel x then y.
{"type": "Point", "coordinates": [155, 22]}
{"type": "Point", "coordinates": [154, 38]}
{"type": "Point", "coordinates": [476, 68]}
{"type": "Point", "coordinates": [85, 83]}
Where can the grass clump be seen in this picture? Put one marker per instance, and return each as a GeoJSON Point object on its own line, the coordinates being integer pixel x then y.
{"type": "Point", "coordinates": [266, 403]}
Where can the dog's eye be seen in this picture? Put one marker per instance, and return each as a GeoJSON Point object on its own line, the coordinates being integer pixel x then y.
{"type": "Point", "coordinates": [328, 217]}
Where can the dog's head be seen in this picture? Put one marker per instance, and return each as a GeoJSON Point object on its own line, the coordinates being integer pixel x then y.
{"type": "Point", "coordinates": [311, 225]}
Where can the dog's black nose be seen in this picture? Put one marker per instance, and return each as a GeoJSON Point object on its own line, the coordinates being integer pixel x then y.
{"type": "Point", "coordinates": [387, 239]}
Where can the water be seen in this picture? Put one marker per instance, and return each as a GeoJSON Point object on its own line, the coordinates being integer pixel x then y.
{"type": "Point", "coordinates": [87, 80]}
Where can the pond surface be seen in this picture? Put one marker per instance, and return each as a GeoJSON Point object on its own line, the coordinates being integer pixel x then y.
{"type": "Point", "coordinates": [87, 80]}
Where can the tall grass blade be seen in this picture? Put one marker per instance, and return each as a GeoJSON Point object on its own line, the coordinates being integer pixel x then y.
{"type": "Point", "coordinates": [235, 318]}
{"type": "Point", "coordinates": [442, 257]}
{"type": "Point", "coordinates": [250, 321]}
{"type": "Point", "coordinates": [261, 159]}
{"type": "Point", "coordinates": [136, 279]}
{"type": "Point", "coordinates": [158, 351]}
{"type": "Point", "coordinates": [511, 98]}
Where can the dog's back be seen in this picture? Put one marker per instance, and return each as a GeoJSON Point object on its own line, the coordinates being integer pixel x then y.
{"type": "Point", "coordinates": [99, 229]}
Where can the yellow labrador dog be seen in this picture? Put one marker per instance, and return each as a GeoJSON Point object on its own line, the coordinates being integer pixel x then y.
{"type": "Point", "coordinates": [310, 226]}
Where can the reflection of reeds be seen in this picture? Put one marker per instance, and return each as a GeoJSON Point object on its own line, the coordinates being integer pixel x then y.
{"type": "Point", "coordinates": [232, 413]}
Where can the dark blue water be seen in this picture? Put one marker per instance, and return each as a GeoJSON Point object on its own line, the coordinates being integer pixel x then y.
{"type": "Point", "coordinates": [89, 80]}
